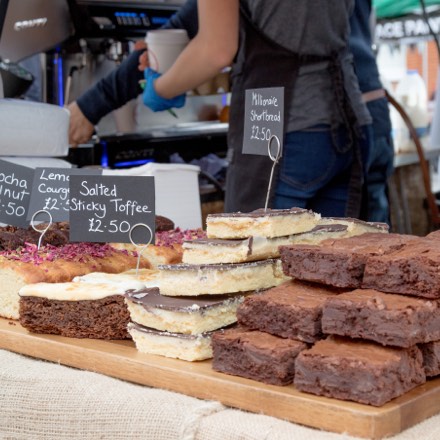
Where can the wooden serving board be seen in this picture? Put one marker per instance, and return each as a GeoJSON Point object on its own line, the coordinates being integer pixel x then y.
{"type": "Point", "coordinates": [121, 359]}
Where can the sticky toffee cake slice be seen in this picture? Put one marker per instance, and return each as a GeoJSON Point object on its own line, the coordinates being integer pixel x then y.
{"type": "Point", "coordinates": [264, 223]}
{"type": "Point", "coordinates": [173, 345]}
{"type": "Point", "coordinates": [56, 265]}
{"type": "Point", "coordinates": [188, 315]}
{"type": "Point", "coordinates": [76, 310]}
{"type": "Point", "coordinates": [218, 279]}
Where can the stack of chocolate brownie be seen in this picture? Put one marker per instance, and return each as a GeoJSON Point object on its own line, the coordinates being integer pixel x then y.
{"type": "Point", "coordinates": [384, 334]}
{"type": "Point", "coordinates": [276, 325]}
{"type": "Point", "coordinates": [200, 296]}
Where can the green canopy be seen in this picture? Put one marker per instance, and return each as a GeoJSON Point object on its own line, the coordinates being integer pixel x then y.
{"type": "Point", "coordinates": [396, 8]}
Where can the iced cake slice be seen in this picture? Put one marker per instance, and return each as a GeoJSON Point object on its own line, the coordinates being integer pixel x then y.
{"type": "Point", "coordinates": [265, 223]}
{"type": "Point", "coordinates": [188, 315]}
{"type": "Point", "coordinates": [360, 371]}
{"type": "Point", "coordinates": [148, 277]}
{"type": "Point", "coordinates": [174, 345]}
{"type": "Point", "coordinates": [218, 279]}
{"type": "Point", "coordinates": [76, 310]}
{"type": "Point", "coordinates": [382, 317]}
{"type": "Point", "coordinates": [291, 310]}
{"type": "Point", "coordinates": [255, 355]}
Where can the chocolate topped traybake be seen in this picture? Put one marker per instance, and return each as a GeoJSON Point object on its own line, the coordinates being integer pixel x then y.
{"type": "Point", "coordinates": [360, 371]}
{"type": "Point", "coordinates": [265, 223]}
{"type": "Point", "coordinates": [291, 310]}
{"type": "Point", "coordinates": [179, 314]}
{"type": "Point", "coordinates": [382, 317]}
{"type": "Point", "coordinates": [413, 270]}
{"type": "Point", "coordinates": [255, 355]}
{"type": "Point", "coordinates": [339, 263]}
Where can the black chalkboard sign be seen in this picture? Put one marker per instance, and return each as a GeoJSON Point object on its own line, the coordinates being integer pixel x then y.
{"type": "Point", "coordinates": [263, 118]}
{"type": "Point", "coordinates": [50, 191]}
{"type": "Point", "coordinates": [105, 208]}
{"type": "Point", "coordinates": [15, 192]}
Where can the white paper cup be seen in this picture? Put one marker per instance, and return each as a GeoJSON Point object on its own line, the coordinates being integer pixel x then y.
{"type": "Point", "coordinates": [164, 46]}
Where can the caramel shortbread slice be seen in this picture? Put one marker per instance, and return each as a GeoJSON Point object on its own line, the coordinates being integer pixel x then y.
{"type": "Point", "coordinates": [173, 345]}
{"type": "Point", "coordinates": [188, 315]}
{"type": "Point", "coordinates": [218, 279]}
{"type": "Point", "coordinates": [265, 223]}
{"type": "Point", "coordinates": [355, 226]}
{"type": "Point", "coordinates": [214, 251]}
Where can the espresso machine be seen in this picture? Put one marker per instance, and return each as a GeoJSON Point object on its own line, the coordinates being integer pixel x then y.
{"type": "Point", "coordinates": [106, 31]}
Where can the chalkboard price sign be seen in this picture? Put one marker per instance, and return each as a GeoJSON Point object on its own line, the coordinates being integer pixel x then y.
{"type": "Point", "coordinates": [264, 118]}
{"type": "Point", "coordinates": [51, 191]}
{"type": "Point", "coordinates": [15, 193]}
{"type": "Point", "coordinates": [105, 208]}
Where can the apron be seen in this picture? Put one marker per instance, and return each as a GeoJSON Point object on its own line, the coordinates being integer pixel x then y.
{"type": "Point", "coordinates": [260, 63]}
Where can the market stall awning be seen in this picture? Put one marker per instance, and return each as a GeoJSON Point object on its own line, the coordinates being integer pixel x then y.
{"type": "Point", "coordinates": [403, 19]}
{"type": "Point", "coordinates": [397, 8]}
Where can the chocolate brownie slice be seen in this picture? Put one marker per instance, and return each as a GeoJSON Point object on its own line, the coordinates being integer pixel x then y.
{"type": "Point", "coordinates": [291, 310]}
{"type": "Point", "coordinates": [104, 318]}
{"type": "Point", "coordinates": [255, 355]}
{"type": "Point", "coordinates": [341, 262]}
{"type": "Point", "coordinates": [382, 317]}
{"type": "Point", "coordinates": [431, 358]}
{"type": "Point", "coordinates": [413, 270]}
{"type": "Point", "coordinates": [360, 371]}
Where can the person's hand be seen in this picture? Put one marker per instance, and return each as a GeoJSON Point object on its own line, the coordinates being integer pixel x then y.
{"type": "Point", "coordinates": [153, 100]}
{"type": "Point", "coordinates": [80, 128]}
{"type": "Point", "coordinates": [143, 61]}
{"type": "Point", "coordinates": [143, 57]}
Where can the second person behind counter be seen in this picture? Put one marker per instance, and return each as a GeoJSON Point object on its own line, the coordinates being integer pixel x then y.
{"type": "Point", "coordinates": [327, 125]}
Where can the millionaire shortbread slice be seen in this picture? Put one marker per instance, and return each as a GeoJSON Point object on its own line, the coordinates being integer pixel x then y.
{"type": "Point", "coordinates": [218, 279]}
{"type": "Point", "coordinates": [188, 315]}
{"type": "Point", "coordinates": [265, 223]}
{"type": "Point", "coordinates": [253, 248]}
{"type": "Point", "coordinates": [173, 345]}
{"type": "Point", "coordinates": [76, 310]}
{"type": "Point", "coordinates": [355, 226]}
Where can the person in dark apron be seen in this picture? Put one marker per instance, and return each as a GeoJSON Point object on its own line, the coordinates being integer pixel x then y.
{"type": "Point", "coordinates": [262, 62]}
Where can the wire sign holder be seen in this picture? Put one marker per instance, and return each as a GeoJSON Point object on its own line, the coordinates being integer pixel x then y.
{"type": "Point", "coordinates": [140, 248]}
{"type": "Point", "coordinates": [41, 231]}
{"type": "Point", "coordinates": [274, 158]}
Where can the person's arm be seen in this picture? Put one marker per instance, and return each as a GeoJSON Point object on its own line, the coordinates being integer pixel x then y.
{"type": "Point", "coordinates": [120, 85]}
{"type": "Point", "coordinates": [212, 49]}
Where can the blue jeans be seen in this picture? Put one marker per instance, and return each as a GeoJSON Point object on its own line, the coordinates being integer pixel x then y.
{"type": "Point", "coordinates": [314, 173]}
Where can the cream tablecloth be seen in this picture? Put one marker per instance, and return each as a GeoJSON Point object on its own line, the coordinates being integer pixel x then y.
{"type": "Point", "coordinates": [40, 400]}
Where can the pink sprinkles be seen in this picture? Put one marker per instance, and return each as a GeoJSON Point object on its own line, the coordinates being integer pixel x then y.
{"type": "Point", "coordinates": [71, 252]}
{"type": "Point", "coordinates": [178, 236]}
